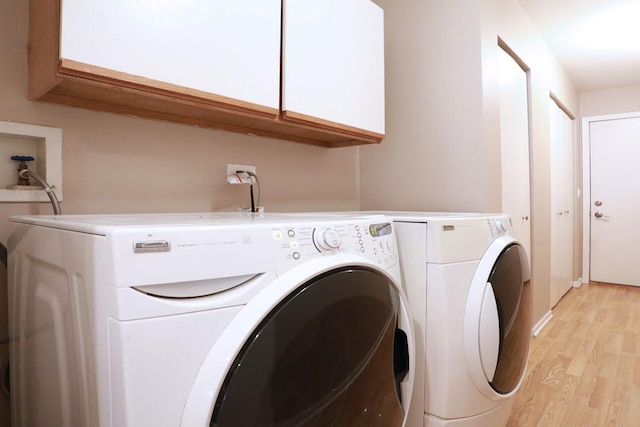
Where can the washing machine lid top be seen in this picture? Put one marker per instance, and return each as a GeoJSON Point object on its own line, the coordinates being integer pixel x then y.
{"type": "Point", "coordinates": [104, 224]}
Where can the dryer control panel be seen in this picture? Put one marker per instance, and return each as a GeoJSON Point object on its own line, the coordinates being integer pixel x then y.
{"type": "Point", "coordinates": [373, 240]}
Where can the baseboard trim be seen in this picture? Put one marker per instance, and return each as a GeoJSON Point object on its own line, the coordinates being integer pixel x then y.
{"type": "Point", "coordinates": [537, 328]}
{"type": "Point", "coordinates": [577, 283]}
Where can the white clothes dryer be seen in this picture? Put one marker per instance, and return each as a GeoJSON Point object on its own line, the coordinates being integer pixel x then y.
{"type": "Point", "coordinates": [467, 282]}
{"type": "Point", "coordinates": [198, 320]}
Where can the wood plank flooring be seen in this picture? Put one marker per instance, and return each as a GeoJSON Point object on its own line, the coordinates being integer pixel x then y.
{"type": "Point", "coordinates": [584, 367]}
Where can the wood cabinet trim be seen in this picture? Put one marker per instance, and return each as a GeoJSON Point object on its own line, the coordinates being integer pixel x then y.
{"type": "Point", "coordinates": [330, 126]}
{"type": "Point", "coordinates": [102, 97]}
{"type": "Point", "coordinates": [43, 49]}
{"type": "Point", "coordinates": [143, 84]}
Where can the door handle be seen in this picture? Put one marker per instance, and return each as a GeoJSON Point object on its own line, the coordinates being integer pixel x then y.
{"type": "Point", "coordinates": [598, 214]}
{"type": "Point", "coordinates": [598, 203]}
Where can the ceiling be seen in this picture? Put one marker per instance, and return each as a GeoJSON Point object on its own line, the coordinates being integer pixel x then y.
{"type": "Point", "coordinates": [596, 41]}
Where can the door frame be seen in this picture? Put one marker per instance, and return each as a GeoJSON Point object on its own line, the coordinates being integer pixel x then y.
{"type": "Point", "coordinates": [586, 185]}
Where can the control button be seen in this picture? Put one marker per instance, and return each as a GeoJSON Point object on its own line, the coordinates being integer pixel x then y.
{"type": "Point", "coordinates": [291, 233]}
{"type": "Point", "coordinates": [277, 235]}
{"type": "Point", "coordinates": [296, 255]}
{"type": "Point", "coordinates": [293, 244]}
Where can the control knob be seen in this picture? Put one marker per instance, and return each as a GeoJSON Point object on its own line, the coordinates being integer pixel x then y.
{"type": "Point", "coordinates": [500, 226]}
{"type": "Point", "coordinates": [327, 239]}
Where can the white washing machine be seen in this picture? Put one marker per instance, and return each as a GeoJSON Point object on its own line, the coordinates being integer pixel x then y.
{"type": "Point", "coordinates": [207, 320]}
{"type": "Point", "coordinates": [467, 282]}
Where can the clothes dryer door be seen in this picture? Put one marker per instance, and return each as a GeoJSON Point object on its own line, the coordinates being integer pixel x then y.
{"type": "Point", "coordinates": [327, 351]}
{"type": "Point", "coordinates": [498, 319]}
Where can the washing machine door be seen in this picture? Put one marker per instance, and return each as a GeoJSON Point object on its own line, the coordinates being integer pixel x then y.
{"type": "Point", "coordinates": [498, 319]}
{"type": "Point", "coordinates": [321, 351]}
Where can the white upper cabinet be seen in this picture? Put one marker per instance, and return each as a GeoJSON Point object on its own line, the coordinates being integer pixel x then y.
{"type": "Point", "coordinates": [218, 64]}
{"type": "Point", "coordinates": [229, 48]}
{"type": "Point", "coordinates": [333, 62]}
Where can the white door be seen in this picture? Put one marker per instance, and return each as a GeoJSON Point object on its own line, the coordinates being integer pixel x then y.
{"type": "Point", "coordinates": [561, 130]}
{"type": "Point", "coordinates": [514, 135]}
{"type": "Point", "coordinates": [615, 201]}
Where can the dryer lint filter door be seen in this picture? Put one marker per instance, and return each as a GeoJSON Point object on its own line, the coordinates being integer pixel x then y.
{"type": "Point", "coordinates": [489, 333]}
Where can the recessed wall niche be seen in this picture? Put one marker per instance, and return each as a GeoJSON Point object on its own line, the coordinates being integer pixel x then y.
{"type": "Point", "coordinates": [44, 144]}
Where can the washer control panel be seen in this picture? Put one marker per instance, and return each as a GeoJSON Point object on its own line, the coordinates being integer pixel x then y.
{"type": "Point", "coordinates": [375, 241]}
{"type": "Point", "coordinates": [499, 227]}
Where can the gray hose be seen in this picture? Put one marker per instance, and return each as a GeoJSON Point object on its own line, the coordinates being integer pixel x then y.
{"type": "Point", "coordinates": [27, 173]}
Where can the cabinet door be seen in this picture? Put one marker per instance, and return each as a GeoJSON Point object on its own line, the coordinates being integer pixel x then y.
{"type": "Point", "coordinates": [229, 48]}
{"type": "Point", "coordinates": [333, 64]}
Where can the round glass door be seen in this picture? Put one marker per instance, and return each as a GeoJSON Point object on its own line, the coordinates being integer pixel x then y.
{"type": "Point", "coordinates": [328, 354]}
{"type": "Point", "coordinates": [512, 289]}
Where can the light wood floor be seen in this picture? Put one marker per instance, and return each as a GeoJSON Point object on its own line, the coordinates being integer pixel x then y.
{"type": "Point", "coordinates": [584, 367]}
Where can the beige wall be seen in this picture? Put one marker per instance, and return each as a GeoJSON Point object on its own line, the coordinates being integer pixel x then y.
{"type": "Point", "coordinates": [611, 101]}
{"type": "Point", "coordinates": [122, 164]}
{"type": "Point", "coordinates": [442, 150]}
{"type": "Point", "coordinates": [433, 155]}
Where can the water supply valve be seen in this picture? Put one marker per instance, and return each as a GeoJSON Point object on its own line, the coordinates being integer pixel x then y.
{"type": "Point", "coordinates": [23, 180]}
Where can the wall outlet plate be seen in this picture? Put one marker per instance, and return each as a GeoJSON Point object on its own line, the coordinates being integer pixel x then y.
{"type": "Point", "coordinates": [231, 168]}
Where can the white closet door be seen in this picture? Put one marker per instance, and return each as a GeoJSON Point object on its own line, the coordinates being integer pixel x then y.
{"type": "Point", "coordinates": [333, 61]}
{"type": "Point", "coordinates": [562, 200]}
{"type": "Point", "coordinates": [514, 136]}
{"type": "Point", "coordinates": [224, 47]}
